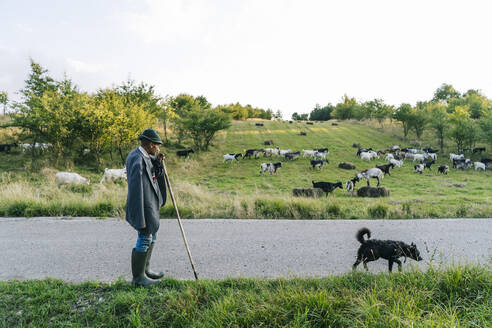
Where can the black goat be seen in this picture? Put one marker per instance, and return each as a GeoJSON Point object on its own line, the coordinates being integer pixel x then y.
{"type": "Point", "coordinates": [318, 163]}
{"type": "Point", "coordinates": [327, 187]}
{"type": "Point", "coordinates": [478, 150]}
{"type": "Point", "coordinates": [6, 147]}
{"type": "Point", "coordinates": [386, 167]}
{"type": "Point", "coordinates": [427, 165]}
{"type": "Point", "coordinates": [184, 153]}
{"type": "Point", "coordinates": [444, 169]}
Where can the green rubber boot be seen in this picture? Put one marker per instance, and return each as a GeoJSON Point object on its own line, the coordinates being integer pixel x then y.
{"type": "Point", "coordinates": [151, 274]}
{"type": "Point", "coordinates": [138, 270]}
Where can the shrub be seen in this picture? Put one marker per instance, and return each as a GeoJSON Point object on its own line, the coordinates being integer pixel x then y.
{"type": "Point", "coordinates": [270, 209]}
{"type": "Point", "coordinates": [378, 211]}
{"type": "Point", "coordinates": [462, 210]}
{"type": "Point", "coordinates": [334, 210]}
{"type": "Point", "coordinates": [407, 208]}
{"type": "Point", "coordinates": [302, 211]}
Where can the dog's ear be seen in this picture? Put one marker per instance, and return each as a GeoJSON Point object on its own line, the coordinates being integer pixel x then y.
{"type": "Point", "coordinates": [413, 245]}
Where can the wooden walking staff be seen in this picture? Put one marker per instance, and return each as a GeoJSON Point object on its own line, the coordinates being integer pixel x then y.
{"type": "Point", "coordinates": [179, 218]}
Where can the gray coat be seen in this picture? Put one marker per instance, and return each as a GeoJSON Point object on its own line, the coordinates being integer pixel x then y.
{"type": "Point", "coordinates": [146, 194]}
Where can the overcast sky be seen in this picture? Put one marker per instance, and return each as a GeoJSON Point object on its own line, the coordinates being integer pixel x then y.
{"type": "Point", "coordinates": [284, 55]}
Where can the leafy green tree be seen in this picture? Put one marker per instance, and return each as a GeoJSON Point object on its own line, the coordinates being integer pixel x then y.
{"type": "Point", "coordinates": [403, 115]}
{"type": "Point", "coordinates": [478, 104]}
{"type": "Point", "coordinates": [486, 126]}
{"type": "Point", "coordinates": [26, 116]}
{"type": "Point", "coordinates": [60, 120]}
{"type": "Point", "coordinates": [141, 95]}
{"type": "Point", "coordinates": [4, 100]}
{"type": "Point", "coordinates": [346, 109]}
{"type": "Point", "coordinates": [295, 116]}
{"type": "Point", "coordinates": [378, 110]}
{"type": "Point", "coordinates": [418, 119]}
{"type": "Point", "coordinates": [128, 119]}
{"type": "Point", "coordinates": [461, 126]}
{"type": "Point", "coordinates": [444, 93]}
{"type": "Point", "coordinates": [321, 113]}
{"type": "Point", "coordinates": [438, 120]}
{"type": "Point", "coordinates": [201, 124]}
{"type": "Point", "coordinates": [166, 114]}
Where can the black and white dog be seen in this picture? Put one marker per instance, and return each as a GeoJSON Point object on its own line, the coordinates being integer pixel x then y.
{"type": "Point", "coordinates": [391, 250]}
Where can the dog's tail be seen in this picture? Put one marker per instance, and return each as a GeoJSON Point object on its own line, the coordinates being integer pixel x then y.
{"type": "Point", "coordinates": [360, 235]}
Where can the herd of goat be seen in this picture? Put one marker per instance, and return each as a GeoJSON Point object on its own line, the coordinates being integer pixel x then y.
{"type": "Point", "coordinates": [394, 155]}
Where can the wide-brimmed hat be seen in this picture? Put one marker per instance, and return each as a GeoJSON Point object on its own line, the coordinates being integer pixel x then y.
{"type": "Point", "coordinates": [151, 135]}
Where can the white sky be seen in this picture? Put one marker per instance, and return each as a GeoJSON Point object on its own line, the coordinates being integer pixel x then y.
{"type": "Point", "coordinates": [284, 55]}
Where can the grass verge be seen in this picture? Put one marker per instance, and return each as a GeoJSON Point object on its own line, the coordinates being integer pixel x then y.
{"type": "Point", "coordinates": [458, 296]}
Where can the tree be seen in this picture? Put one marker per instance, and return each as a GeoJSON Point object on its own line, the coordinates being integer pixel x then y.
{"type": "Point", "coordinates": [26, 116]}
{"type": "Point", "coordinates": [486, 127]}
{"type": "Point", "coordinates": [278, 114]}
{"type": "Point", "coordinates": [461, 126]}
{"type": "Point", "coordinates": [4, 100]}
{"type": "Point", "coordinates": [166, 114]}
{"type": "Point", "coordinates": [346, 109]}
{"type": "Point", "coordinates": [444, 93]}
{"type": "Point", "coordinates": [201, 124]}
{"type": "Point", "coordinates": [127, 119]}
{"type": "Point", "coordinates": [438, 120]}
{"type": "Point", "coordinates": [321, 113]}
{"type": "Point", "coordinates": [478, 104]}
{"type": "Point", "coordinates": [378, 110]}
{"type": "Point", "coordinates": [60, 116]}
{"type": "Point", "coordinates": [403, 115]}
{"type": "Point", "coordinates": [139, 94]}
{"type": "Point", "coordinates": [418, 119]}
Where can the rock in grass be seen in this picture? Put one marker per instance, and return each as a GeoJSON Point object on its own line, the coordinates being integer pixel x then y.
{"type": "Point", "coordinates": [346, 166]}
{"type": "Point", "coordinates": [373, 192]}
{"type": "Point", "coordinates": [307, 192]}
{"type": "Point", "coordinates": [356, 145]}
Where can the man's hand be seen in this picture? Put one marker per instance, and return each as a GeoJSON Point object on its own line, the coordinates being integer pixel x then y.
{"type": "Point", "coordinates": [161, 156]}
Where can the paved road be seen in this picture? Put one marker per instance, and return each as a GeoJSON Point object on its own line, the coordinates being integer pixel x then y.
{"type": "Point", "coordinates": [84, 249]}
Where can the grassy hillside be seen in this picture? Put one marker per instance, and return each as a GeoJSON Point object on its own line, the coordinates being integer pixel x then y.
{"type": "Point", "coordinates": [205, 187]}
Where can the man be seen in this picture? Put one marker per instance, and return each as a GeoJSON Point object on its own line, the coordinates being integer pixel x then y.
{"type": "Point", "coordinates": [146, 195]}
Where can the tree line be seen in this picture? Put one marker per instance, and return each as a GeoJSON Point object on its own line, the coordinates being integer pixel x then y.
{"type": "Point", "coordinates": [107, 122]}
{"type": "Point", "coordinates": [463, 118]}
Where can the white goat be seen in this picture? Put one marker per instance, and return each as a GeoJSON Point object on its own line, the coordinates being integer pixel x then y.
{"type": "Point", "coordinates": [397, 163]}
{"type": "Point", "coordinates": [479, 165]}
{"type": "Point", "coordinates": [320, 155]}
{"type": "Point", "coordinates": [455, 156]}
{"type": "Point", "coordinates": [365, 156]}
{"type": "Point", "coordinates": [69, 178]}
{"type": "Point", "coordinates": [371, 173]}
{"type": "Point", "coordinates": [418, 157]}
{"type": "Point", "coordinates": [113, 174]}
{"type": "Point", "coordinates": [308, 152]}
{"type": "Point", "coordinates": [272, 151]}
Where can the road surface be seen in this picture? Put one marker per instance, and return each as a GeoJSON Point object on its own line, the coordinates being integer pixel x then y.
{"type": "Point", "coordinates": [82, 249]}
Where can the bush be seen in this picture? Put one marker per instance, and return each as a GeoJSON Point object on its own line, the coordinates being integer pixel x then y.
{"type": "Point", "coordinates": [378, 211]}
{"type": "Point", "coordinates": [462, 210]}
{"type": "Point", "coordinates": [334, 210]}
{"type": "Point", "coordinates": [302, 211]}
{"type": "Point", "coordinates": [270, 209]}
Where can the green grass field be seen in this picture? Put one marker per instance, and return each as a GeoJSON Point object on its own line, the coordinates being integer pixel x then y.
{"type": "Point", "coordinates": [457, 297]}
{"type": "Point", "coordinates": [206, 187]}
